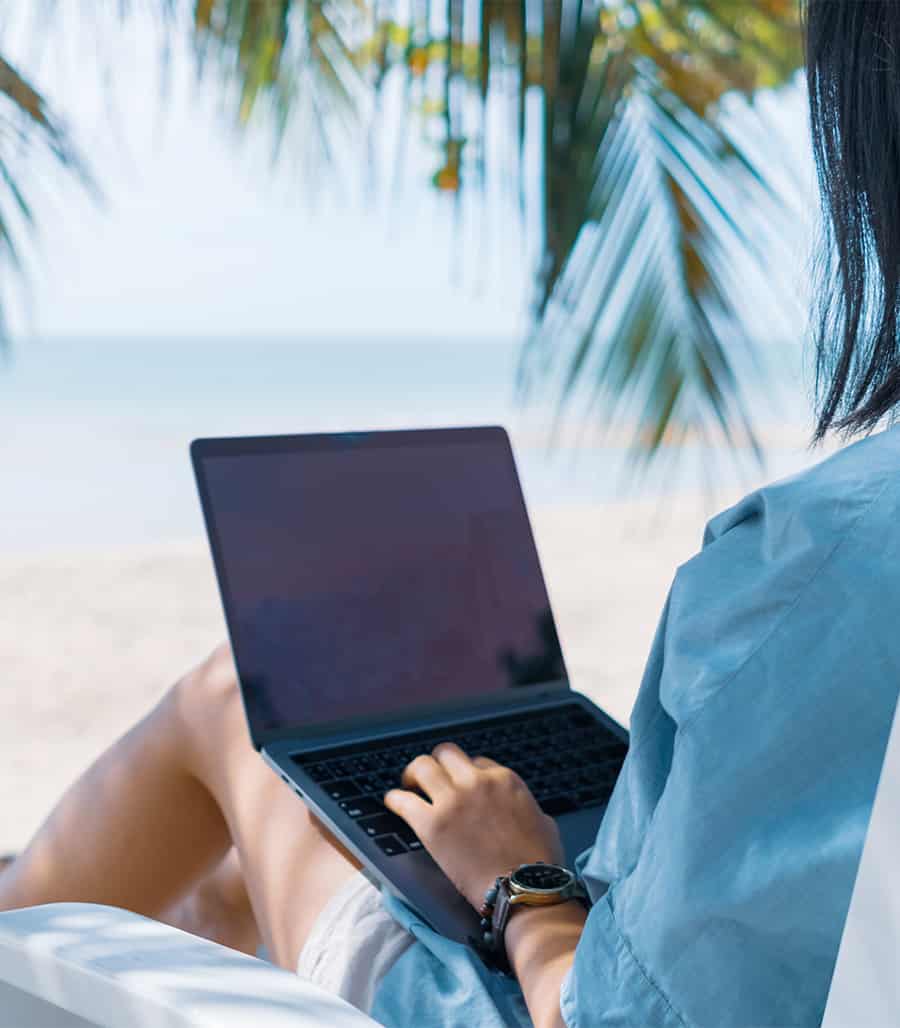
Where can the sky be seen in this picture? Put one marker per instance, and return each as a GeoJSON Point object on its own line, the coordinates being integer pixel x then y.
{"type": "Point", "coordinates": [199, 234]}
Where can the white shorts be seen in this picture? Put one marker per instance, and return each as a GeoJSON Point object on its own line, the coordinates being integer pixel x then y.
{"type": "Point", "coordinates": [353, 944]}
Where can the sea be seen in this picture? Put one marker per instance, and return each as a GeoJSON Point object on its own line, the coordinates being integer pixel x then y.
{"type": "Point", "coordinates": [94, 434]}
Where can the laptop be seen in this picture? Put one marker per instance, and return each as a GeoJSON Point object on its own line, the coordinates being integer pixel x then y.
{"type": "Point", "coordinates": [383, 594]}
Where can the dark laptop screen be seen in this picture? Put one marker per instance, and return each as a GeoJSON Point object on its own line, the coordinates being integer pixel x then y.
{"type": "Point", "coordinates": [370, 574]}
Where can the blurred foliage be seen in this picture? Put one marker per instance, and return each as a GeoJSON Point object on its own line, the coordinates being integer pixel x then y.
{"type": "Point", "coordinates": [650, 205]}
{"type": "Point", "coordinates": [26, 126]}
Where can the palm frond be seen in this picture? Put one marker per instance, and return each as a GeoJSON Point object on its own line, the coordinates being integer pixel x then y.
{"type": "Point", "coordinates": [23, 95]}
{"type": "Point", "coordinates": [636, 310]}
{"type": "Point", "coordinates": [28, 132]}
{"type": "Point", "coordinates": [651, 206]}
{"type": "Point", "coordinates": [294, 62]}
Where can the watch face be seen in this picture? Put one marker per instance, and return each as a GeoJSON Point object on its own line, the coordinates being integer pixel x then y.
{"type": "Point", "coordinates": [545, 877]}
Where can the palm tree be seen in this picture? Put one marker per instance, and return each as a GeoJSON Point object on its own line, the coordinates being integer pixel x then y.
{"type": "Point", "coordinates": [651, 204]}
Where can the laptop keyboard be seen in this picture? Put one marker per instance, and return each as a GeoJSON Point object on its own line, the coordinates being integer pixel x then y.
{"type": "Point", "coordinates": [567, 758]}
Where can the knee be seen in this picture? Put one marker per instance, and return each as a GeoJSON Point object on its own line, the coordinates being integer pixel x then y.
{"type": "Point", "coordinates": [206, 701]}
{"type": "Point", "coordinates": [214, 680]}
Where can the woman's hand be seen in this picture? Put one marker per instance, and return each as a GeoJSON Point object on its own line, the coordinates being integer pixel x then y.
{"type": "Point", "coordinates": [479, 819]}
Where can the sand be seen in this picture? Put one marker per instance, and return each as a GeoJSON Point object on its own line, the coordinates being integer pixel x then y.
{"type": "Point", "coordinates": [88, 641]}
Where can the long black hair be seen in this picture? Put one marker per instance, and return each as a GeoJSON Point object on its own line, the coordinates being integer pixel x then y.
{"type": "Point", "coordinates": [853, 73]}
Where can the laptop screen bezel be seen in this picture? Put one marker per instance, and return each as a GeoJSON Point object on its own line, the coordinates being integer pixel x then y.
{"type": "Point", "coordinates": [202, 450]}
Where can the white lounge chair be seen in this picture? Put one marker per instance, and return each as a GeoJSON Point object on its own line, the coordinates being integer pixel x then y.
{"type": "Point", "coordinates": [73, 965]}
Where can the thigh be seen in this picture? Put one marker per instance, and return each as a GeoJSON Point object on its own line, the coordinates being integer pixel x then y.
{"type": "Point", "coordinates": [291, 863]}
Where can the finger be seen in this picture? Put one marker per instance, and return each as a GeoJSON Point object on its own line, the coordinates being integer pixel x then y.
{"type": "Point", "coordinates": [455, 761]}
{"type": "Point", "coordinates": [426, 774]}
{"type": "Point", "coordinates": [412, 808]}
{"type": "Point", "coordinates": [485, 763]}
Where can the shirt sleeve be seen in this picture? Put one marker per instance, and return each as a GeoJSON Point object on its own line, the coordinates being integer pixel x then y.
{"type": "Point", "coordinates": [622, 994]}
{"type": "Point", "coordinates": [733, 837]}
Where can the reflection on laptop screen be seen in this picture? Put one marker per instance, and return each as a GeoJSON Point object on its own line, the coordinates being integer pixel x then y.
{"type": "Point", "coordinates": [370, 577]}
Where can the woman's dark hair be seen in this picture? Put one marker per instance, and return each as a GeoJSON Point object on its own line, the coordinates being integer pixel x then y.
{"type": "Point", "coordinates": [853, 72]}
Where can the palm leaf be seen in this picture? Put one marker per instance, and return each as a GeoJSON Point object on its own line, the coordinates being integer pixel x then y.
{"type": "Point", "coordinates": [28, 133]}
{"type": "Point", "coordinates": [651, 207]}
{"type": "Point", "coordinates": [23, 95]}
{"type": "Point", "coordinates": [639, 291]}
{"type": "Point", "coordinates": [292, 61]}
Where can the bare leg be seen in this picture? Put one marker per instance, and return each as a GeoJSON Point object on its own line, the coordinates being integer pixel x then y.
{"type": "Point", "coordinates": [218, 908]}
{"type": "Point", "coordinates": [157, 814]}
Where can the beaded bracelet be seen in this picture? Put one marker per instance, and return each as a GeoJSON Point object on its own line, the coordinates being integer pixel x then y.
{"type": "Point", "coordinates": [492, 949]}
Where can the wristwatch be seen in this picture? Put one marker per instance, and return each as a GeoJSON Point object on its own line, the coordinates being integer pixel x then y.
{"type": "Point", "coordinates": [530, 885]}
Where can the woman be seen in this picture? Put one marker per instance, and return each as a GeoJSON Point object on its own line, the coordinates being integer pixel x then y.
{"type": "Point", "coordinates": [722, 872]}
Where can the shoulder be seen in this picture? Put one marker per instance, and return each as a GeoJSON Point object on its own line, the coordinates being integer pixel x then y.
{"type": "Point", "coordinates": [799, 548]}
{"type": "Point", "coordinates": [825, 500]}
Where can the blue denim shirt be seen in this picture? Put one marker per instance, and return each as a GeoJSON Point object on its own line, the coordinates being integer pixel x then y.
{"type": "Point", "coordinates": [722, 871]}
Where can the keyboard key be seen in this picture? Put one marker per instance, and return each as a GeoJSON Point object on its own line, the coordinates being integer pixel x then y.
{"type": "Point", "coordinates": [558, 785]}
{"type": "Point", "coordinates": [383, 824]}
{"type": "Point", "coordinates": [361, 807]}
{"type": "Point", "coordinates": [367, 783]}
{"type": "Point", "coordinates": [557, 805]}
{"type": "Point", "coordinates": [532, 729]}
{"type": "Point", "coordinates": [390, 845]}
{"type": "Point", "coordinates": [342, 788]}
{"type": "Point", "coordinates": [407, 836]}
{"type": "Point", "coordinates": [538, 785]}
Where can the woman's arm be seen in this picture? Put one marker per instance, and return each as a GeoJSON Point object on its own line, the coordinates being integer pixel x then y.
{"type": "Point", "coordinates": [540, 944]}
{"type": "Point", "coordinates": [479, 821]}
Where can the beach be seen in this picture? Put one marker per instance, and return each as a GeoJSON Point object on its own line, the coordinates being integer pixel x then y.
{"type": "Point", "coordinates": [106, 587]}
{"type": "Point", "coordinates": [97, 634]}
